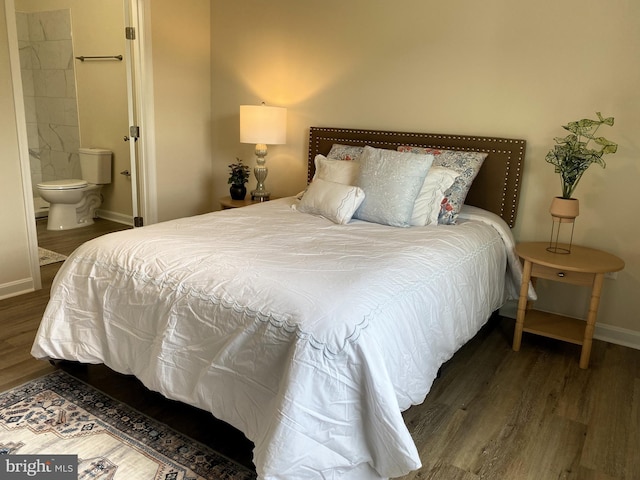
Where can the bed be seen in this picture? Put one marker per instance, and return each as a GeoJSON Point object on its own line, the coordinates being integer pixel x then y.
{"type": "Point", "coordinates": [308, 335]}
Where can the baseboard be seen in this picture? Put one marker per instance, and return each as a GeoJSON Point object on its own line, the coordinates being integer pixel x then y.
{"type": "Point", "coordinates": [115, 217]}
{"type": "Point", "coordinates": [604, 332]}
{"type": "Point", "coordinates": [13, 289]}
{"type": "Point", "coordinates": [617, 335]}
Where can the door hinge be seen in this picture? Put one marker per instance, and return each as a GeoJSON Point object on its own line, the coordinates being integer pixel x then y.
{"type": "Point", "coordinates": [130, 33]}
{"type": "Point", "coordinates": [134, 132]}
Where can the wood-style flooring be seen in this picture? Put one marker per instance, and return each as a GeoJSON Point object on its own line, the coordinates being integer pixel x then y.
{"type": "Point", "coordinates": [493, 413]}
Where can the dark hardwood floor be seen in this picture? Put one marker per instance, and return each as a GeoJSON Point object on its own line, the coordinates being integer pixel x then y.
{"type": "Point", "coordinates": [492, 414]}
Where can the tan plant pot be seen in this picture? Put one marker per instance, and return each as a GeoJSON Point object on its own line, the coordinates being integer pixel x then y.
{"type": "Point", "coordinates": [565, 209]}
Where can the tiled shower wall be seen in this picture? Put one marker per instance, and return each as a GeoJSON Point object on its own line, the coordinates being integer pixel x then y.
{"type": "Point", "coordinates": [51, 107]}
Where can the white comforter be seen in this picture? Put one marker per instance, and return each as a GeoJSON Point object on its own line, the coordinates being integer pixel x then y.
{"type": "Point", "coordinates": [310, 337]}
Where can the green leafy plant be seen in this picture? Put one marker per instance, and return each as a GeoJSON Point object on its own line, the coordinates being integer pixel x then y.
{"type": "Point", "coordinates": [572, 154]}
{"type": "Point", "coordinates": [239, 173]}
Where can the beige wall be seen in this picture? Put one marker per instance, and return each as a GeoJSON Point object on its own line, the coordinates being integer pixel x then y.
{"type": "Point", "coordinates": [515, 69]}
{"type": "Point", "coordinates": [180, 34]}
{"type": "Point", "coordinates": [15, 272]}
{"type": "Point", "coordinates": [98, 29]}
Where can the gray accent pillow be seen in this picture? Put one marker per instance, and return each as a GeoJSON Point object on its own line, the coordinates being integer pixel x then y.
{"type": "Point", "coordinates": [391, 182]}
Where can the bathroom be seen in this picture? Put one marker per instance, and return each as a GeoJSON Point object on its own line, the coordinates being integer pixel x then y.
{"type": "Point", "coordinates": [71, 104]}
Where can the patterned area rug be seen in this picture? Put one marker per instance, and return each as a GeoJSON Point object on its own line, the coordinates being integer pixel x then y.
{"type": "Point", "coordinates": [48, 256]}
{"type": "Point", "coordinates": [58, 414]}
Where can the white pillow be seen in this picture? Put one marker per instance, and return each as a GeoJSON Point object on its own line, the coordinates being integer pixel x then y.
{"type": "Point", "coordinates": [391, 182]}
{"type": "Point", "coordinates": [338, 171]}
{"type": "Point", "coordinates": [427, 206]}
{"type": "Point", "coordinates": [331, 200]}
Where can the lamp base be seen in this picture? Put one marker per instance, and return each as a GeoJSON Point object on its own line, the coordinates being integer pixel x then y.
{"type": "Point", "coordinates": [261, 172]}
{"type": "Point", "coordinates": [260, 196]}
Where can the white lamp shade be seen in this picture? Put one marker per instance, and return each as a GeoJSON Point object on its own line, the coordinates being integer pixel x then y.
{"type": "Point", "coordinates": [263, 124]}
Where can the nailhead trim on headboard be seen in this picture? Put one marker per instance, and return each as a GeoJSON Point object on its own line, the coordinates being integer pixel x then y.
{"type": "Point", "coordinates": [497, 186]}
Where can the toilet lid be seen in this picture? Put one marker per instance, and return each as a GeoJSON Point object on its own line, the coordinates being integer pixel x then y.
{"type": "Point", "coordinates": [70, 184]}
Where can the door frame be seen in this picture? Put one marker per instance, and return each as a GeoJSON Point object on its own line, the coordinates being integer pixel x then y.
{"type": "Point", "coordinates": [23, 145]}
{"type": "Point", "coordinates": [137, 14]}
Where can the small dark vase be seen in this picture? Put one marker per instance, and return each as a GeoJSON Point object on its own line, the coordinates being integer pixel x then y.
{"type": "Point", "coordinates": [238, 192]}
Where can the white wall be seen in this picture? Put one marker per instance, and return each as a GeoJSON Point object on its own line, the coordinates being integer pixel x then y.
{"type": "Point", "coordinates": [514, 69]}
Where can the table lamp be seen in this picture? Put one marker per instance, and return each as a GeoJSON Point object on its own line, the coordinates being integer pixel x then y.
{"type": "Point", "coordinates": [263, 126]}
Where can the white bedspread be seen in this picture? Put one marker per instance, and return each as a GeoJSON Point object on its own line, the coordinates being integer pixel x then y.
{"type": "Point", "coordinates": [310, 337]}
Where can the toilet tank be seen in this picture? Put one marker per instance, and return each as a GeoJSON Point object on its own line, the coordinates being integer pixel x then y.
{"type": "Point", "coordinates": [95, 165]}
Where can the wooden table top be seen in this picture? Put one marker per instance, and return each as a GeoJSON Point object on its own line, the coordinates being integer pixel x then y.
{"type": "Point", "coordinates": [581, 259]}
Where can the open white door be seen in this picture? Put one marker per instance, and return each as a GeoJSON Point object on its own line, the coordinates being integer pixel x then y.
{"type": "Point", "coordinates": [23, 152]}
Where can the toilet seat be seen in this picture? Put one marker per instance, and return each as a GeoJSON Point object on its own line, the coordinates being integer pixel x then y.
{"type": "Point", "coordinates": [69, 184]}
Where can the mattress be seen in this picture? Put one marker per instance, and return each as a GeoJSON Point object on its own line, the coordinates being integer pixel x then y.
{"type": "Point", "coordinates": [310, 337]}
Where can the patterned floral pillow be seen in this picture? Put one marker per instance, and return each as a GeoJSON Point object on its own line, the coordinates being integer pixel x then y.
{"type": "Point", "coordinates": [467, 164]}
{"type": "Point", "coordinates": [345, 152]}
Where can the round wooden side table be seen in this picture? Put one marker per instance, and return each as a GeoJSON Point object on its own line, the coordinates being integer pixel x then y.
{"type": "Point", "coordinates": [583, 266]}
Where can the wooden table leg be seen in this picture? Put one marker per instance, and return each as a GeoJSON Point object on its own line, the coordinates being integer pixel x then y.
{"type": "Point", "coordinates": [596, 291]}
{"type": "Point", "coordinates": [522, 304]}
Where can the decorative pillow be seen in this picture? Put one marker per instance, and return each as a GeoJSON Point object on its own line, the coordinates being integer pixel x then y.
{"type": "Point", "coordinates": [336, 170]}
{"type": "Point", "coordinates": [333, 201]}
{"type": "Point", "coordinates": [345, 152]}
{"type": "Point", "coordinates": [427, 206]}
{"type": "Point", "coordinates": [466, 163]}
{"type": "Point", "coordinates": [391, 182]}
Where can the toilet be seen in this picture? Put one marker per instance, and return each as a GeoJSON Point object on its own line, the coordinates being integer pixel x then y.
{"type": "Point", "coordinates": [73, 203]}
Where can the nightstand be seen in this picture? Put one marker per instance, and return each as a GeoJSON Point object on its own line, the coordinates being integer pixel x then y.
{"type": "Point", "coordinates": [583, 266]}
{"type": "Point", "coordinates": [228, 202]}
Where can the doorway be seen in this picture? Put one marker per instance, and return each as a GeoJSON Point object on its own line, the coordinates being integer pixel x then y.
{"type": "Point", "coordinates": [75, 92]}
{"type": "Point", "coordinates": [98, 131]}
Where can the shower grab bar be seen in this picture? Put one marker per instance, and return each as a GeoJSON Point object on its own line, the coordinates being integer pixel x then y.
{"type": "Point", "coordinates": [105, 57]}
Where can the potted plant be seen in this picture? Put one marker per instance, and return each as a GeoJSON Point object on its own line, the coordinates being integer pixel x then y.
{"type": "Point", "coordinates": [572, 155]}
{"type": "Point", "coordinates": [239, 175]}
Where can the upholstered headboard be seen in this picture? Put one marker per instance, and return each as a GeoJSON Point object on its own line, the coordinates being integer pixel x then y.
{"type": "Point", "coordinates": [497, 186]}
